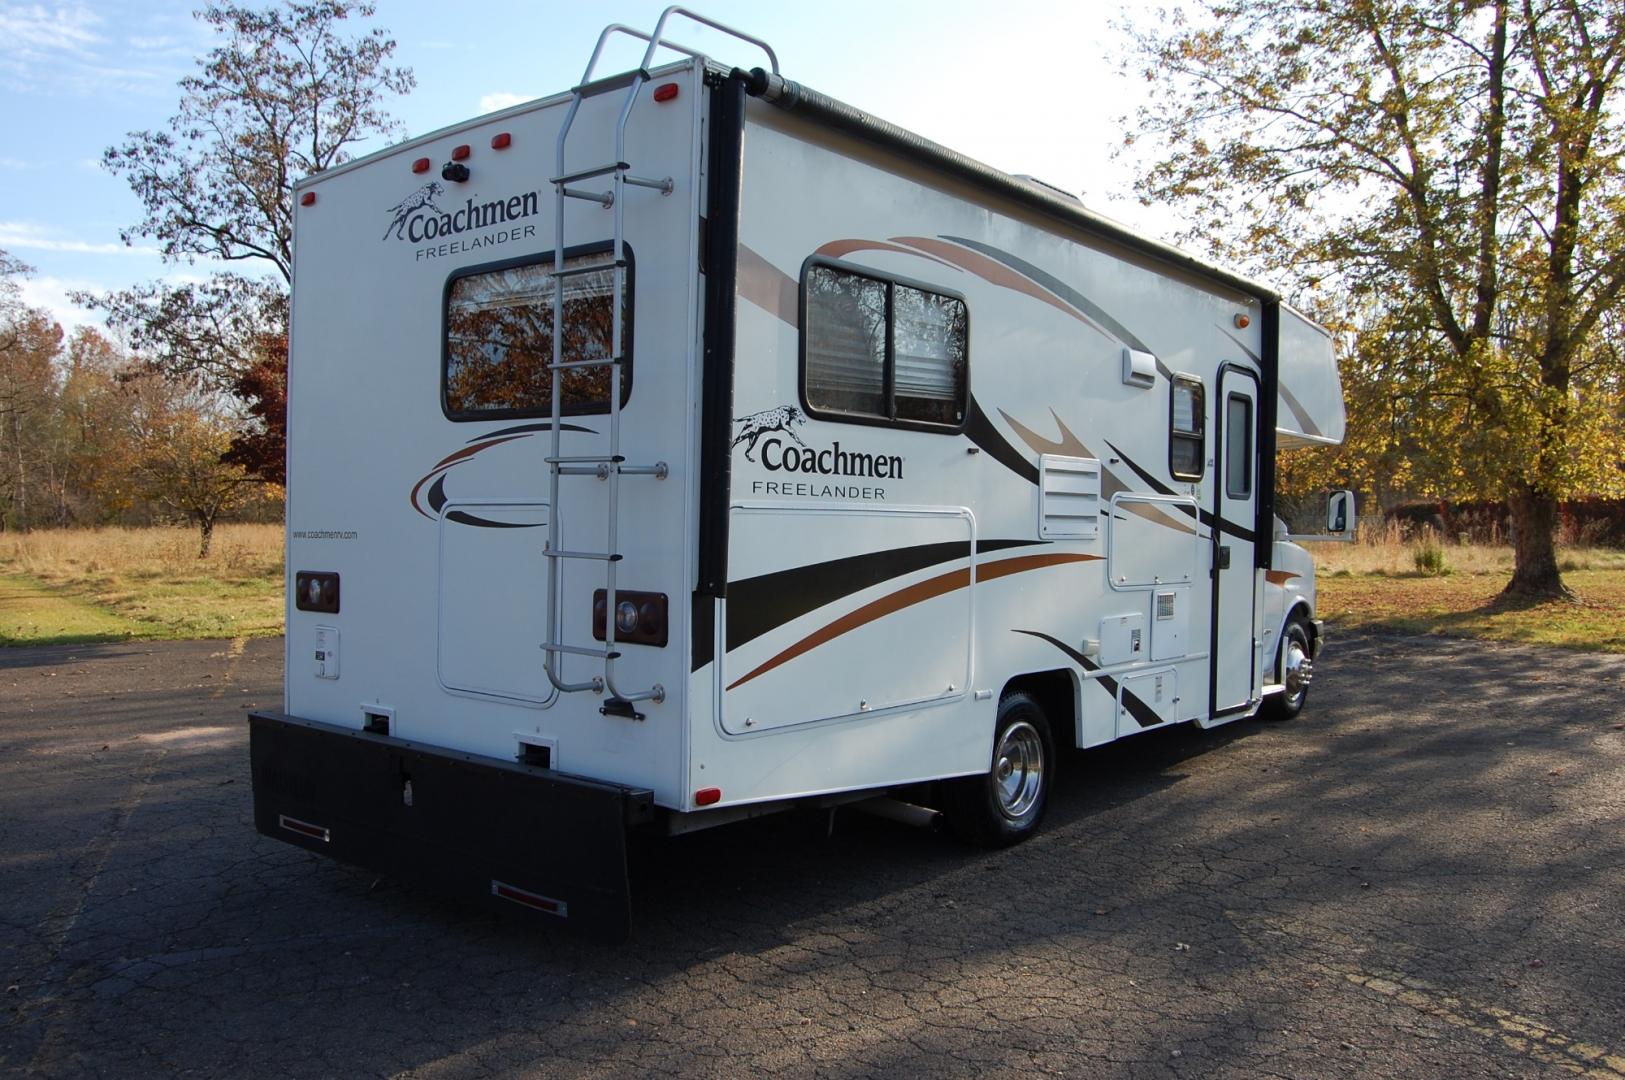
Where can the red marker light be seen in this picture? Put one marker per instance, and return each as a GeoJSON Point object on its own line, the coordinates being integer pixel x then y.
{"type": "Point", "coordinates": [308, 199]}
{"type": "Point", "coordinates": [502, 141]}
{"type": "Point", "coordinates": [707, 795]}
{"type": "Point", "coordinates": [666, 91]}
{"type": "Point", "coordinates": [420, 165]}
{"type": "Point", "coordinates": [460, 153]}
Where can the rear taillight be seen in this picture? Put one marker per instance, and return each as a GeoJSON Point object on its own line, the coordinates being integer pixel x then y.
{"type": "Point", "coordinates": [316, 591]}
{"type": "Point", "coordinates": [640, 617]}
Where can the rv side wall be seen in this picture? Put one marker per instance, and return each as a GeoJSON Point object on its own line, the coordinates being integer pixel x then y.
{"type": "Point", "coordinates": [955, 430]}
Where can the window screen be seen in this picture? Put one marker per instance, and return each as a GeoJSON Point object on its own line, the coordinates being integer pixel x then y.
{"type": "Point", "coordinates": [499, 340]}
{"type": "Point", "coordinates": [880, 350]}
{"type": "Point", "coordinates": [1187, 428]}
{"type": "Point", "coordinates": [1238, 443]}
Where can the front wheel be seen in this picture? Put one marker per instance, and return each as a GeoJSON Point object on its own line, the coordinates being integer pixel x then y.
{"type": "Point", "coordinates": [1295, 669]}
{"type": "Point", "coordinates": [1004, 805]}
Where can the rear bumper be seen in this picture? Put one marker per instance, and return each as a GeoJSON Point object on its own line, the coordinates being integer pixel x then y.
{"type": "Point", "coordinates": [520, 837]}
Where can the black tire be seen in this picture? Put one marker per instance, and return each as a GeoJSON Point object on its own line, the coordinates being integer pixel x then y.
{"type": "Point", "coordinates": [1289, 702]}
{"type": "Point", "coordinates": [1004, 805]}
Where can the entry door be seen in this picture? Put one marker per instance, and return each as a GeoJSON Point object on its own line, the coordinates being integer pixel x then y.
{"type": "Point", "coordinates": [1235, 501]}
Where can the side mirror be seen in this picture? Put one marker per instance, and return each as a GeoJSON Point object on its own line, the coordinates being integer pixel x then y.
{"type": "Point", "coordinates": [1340, 517]}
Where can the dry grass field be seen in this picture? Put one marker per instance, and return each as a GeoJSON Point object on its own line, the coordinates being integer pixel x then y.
{"type": "Point", "coordinates": [1431, 587]}
{"type": "Point", "coordinates": [66, 586]}
{"type": "Point", "coordinates": [80, 585]}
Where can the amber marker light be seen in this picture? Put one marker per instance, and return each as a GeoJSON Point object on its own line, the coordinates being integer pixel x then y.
{"type": "Point", "coordinates": [1243, 322]}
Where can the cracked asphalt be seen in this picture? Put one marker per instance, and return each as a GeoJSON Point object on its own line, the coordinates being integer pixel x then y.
{"type": "Point", "coordinates": [1422, 876]}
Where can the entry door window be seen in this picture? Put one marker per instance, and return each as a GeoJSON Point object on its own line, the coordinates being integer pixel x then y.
{"type": "Point", "coordinates": [1238, 453]}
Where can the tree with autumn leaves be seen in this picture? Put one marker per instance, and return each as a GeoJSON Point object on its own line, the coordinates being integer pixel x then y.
{"type": "Point", "coordinates": [1442, 181]}
{"type": "Point", "coordinates": [287, 92]}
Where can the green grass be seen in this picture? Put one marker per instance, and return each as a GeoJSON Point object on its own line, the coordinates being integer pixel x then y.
{"type": "Point", "coordinates": [34, 613]}
{"type": "Point", "coordinates": [74, 586]}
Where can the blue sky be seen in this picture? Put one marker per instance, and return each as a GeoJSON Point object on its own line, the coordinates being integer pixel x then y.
{"type": "Point", "coordinates": [1023, 85]}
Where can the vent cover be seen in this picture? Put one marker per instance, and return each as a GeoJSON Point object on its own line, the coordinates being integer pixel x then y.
{"type": "Point", "coordinates": [1069, 498]}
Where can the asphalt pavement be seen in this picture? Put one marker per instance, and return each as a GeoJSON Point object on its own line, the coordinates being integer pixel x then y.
{"type": "Point", "coordinates": [1423, 875]}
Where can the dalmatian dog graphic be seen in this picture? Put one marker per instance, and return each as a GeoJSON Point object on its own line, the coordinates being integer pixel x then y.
{"type": "Point", "coordinates": [403, 210]}
{"type": "Point", "coordinates": [766, 422]}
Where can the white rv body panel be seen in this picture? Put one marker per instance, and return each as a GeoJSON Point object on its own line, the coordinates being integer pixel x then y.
{"type": "Point", "coordinates": [442, 619]}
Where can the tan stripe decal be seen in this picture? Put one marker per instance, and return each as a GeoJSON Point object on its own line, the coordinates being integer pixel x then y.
{"type": "Point", "coordinates": [918, 593]}
{"type": "Point", "coordinates": [839, 249]}
{"type": "Point", "coordinates": [1070, 444]}
{"type": "Point", "coordinates": [1279, 577]}
{"type": "Point", "coordinates": [768, 287]}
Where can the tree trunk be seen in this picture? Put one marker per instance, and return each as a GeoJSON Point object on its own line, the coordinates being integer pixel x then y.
{"type": "Point", "coordinates": [1534, 567]}
{"type": "Point", "coordinates": [206, 529]}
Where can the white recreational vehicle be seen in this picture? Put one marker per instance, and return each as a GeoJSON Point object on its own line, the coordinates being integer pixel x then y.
{"type": "Point", "coordinates": [690, 444]}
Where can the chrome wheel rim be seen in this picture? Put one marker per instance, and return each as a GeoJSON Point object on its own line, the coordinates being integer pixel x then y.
{"type": "Point", "coordinates": [1298, 671]}
{"type": "Point", "coordinates": [1018, 770]}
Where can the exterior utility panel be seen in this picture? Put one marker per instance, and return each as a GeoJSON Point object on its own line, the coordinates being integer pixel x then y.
{"type": "Point", "coordinates": [896, 439]}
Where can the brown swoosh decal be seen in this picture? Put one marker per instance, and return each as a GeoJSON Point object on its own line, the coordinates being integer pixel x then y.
{"type": "Point", "coordinates": [768, 287]}
{"type": "Point", "coordinates": [1279, 577]}
{"type": "Point", "coordinates": [1110, 485]}
{"type": "Point", "coordinates": [917, 593]}
{"type": "Point", "coordinates": [997, 273]}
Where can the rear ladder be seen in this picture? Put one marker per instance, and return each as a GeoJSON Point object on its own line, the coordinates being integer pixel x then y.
{"type": "Point", "coordinates": [610, 465]}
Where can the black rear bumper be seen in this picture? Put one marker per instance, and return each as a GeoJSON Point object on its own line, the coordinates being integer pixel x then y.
{"type": "Point", "coordinates": [520, 837]}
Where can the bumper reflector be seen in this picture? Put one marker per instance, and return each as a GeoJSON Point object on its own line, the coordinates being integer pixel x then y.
{"type": "Point", "coordinates": [529, 899]}
{"type": "Point", "coordinates": [304, 828]}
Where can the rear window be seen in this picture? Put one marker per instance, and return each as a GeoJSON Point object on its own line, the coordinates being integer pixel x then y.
{"type": "Point", "coordinates": [499, 339]}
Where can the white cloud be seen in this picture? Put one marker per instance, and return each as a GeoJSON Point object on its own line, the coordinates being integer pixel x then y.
{"type": "Point", "coordinates": [59, 49]}
{"type": "Point", "coordinates": [25, 235]}
{"type": "Point", "coordinates": [51, 293]}
{"type": "Point", "coordinates": [49, 28]}
{"type": "Point", "coordinates": [502, 99]}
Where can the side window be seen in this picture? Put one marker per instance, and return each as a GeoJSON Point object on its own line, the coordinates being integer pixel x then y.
{"type": "Point", "coordinates": [877, 350]}
{"type": "Point", "coordinates": [499, 340]}
{"type": "Point", "coordinates": [1238, 446]}
{"type": "Point", "coordinates": [1187, 428]}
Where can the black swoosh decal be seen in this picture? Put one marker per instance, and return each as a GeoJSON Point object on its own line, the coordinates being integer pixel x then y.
{"type": "Point", "coordinates": [463, 518]}
{"type": "Point", "coordinates": [979, 429]}
{"type": "Point", "coordinates": [1143, 714]}
{"type": "Point", "coordinates": [763, 603]}
{"type": "Point", "coordinates": [547, 426]}
{"type": "Point", "coordinates": [1240, 532]}
{"type": "Point", "coordinates": [437, 494]}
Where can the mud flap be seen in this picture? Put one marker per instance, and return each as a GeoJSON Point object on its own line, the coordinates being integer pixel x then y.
{"type": "Point", "coordinates": [525, 839]}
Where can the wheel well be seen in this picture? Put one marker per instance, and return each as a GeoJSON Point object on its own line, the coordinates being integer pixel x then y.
{"type": "Point", "coordinates": [1300, 610]}
{"type": "Point", "coordinates": [1057, 694]}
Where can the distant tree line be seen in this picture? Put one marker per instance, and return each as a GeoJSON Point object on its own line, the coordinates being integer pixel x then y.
{"type": "Point", "coordinates": [92, 435]}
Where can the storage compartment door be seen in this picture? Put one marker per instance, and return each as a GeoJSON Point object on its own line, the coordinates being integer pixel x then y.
{"type": "Point", "coordinates": [493, 600]}
{"type": "Point", "coordinates": [839, 613]}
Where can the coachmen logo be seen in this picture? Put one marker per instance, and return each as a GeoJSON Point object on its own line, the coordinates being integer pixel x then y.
{"type": "Point", "coordinates": [777, 455]}
{"type": "Point", "coordinates": [417, 219]}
